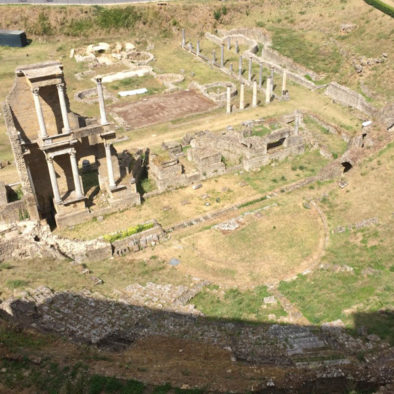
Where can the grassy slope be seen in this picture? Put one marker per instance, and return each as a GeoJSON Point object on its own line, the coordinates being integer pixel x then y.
{"type": "Point", "coordinates": [368, 251]}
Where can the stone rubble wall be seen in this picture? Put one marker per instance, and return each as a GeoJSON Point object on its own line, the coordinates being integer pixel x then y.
{"type": "Point", "coordinates": [138, 241]}
{"type": "Point", "coordinates": [29, 239]}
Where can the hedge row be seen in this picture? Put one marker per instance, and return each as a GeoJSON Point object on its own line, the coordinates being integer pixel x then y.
{"type": "Point", "coordinates": [130, 231]}
{"type": "Point", "coordinates": [387, 9]}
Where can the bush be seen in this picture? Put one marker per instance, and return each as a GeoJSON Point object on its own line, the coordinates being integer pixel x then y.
{"type": "Point", "coordinates": [387, 9]}
{"type": "Point", "coordinates": [130, 231]}
{"type": "Point", "coordinates": [117, 18]}
{"type": "Point", "coordinates": [16, 283]}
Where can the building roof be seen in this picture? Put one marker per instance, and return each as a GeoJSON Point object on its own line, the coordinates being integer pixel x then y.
{"type": "Point", "coordinates": [13, 32]}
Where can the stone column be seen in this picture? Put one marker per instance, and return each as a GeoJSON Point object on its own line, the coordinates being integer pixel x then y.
{"type": "Point", "coordinates": [222, 55]}
{"type": "Point", "coordinates": [284, 82]}
{"type": "Point", "coordinates": [213, 57]}
{"type": "Point", "coordinates": [110, 169]}
{"type": "Point", "coordinates": [242, 96]}
{"type": "Point", "coordinates": [74, 168]}
{"type": "Point", "coordinates": [296, 122]}
{"type": "Point", "coordinates": [231, 68]}
{"type": "Point", "coordinates": [272, 74]}
{"type": "Point", "coordinates": [63, 107]}
{"type": "Point", "coordinates": [268, 91]}
{"type": "Point", "coordinates": [260, 76]}
{"type": "Point", "coordinates": [198, 48]}
{"type": "Point", "coordinates": [190, 47]}
{"type": "Point", "coordinates": [40, 116]}
{"type": "Point", "coordinates": [183, 38]}
{"type": "Point", "coordinates": [236, 47]}
{"type": "Point", "coordinates": [240, 67]}
{"type": "Point", "coordinates": [250, 70]}
{"type": "Point", "coordinates": [52, 176]}
{"type": "Point", "coordinates": [254, 98]}
{"type": "Point", "coordinates": [100, 93]}
{"type": "Point", "coordinates": [228, 43]}
{"type": "Point", "coordinates": [228, 107]}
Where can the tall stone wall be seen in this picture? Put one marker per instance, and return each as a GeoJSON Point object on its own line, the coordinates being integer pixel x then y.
{"type": "Point", "coordinates": [346, 96]}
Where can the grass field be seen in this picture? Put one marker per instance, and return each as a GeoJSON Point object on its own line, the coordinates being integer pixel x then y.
{"type": "Point", "coordinates": [358, 269]}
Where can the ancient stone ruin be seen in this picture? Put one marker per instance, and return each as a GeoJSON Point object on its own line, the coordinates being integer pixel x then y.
{"type": "Point", "coordinates": [50, 143]}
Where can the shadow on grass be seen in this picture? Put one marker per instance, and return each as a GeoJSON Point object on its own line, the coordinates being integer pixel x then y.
{"type": "Point", "coordinates": [308, 358]}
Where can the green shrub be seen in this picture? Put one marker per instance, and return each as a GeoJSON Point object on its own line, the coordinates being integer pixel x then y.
{"type": "Point", "coordinates": [387, 9]}
{"type": "Point", "coordinates": [130, 231]}
{"type": "Point", "coordinates": [217, 14]}
{"type": "Point", "coordinates": [117, 18]}
{"type": "Point", "coordinates": [16, 283]}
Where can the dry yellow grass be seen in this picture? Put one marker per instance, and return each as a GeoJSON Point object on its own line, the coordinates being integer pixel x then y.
{"type": "Point", "coordinates": [265, 249]}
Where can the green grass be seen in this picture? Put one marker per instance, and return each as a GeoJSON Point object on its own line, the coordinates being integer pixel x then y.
{"type": "Point", "coordinates": [335, 144]}
{"type": "Point", "coordinates": [147, 185]}
{"type": "Point", "coordinates": [260, 131]}
{"type": "Point", "coordinates": [236, 305]}
{"type": "Point", "coordinates": [369, 288]}
{"type": "Point", "coordinates": [287, 171]}
{"type": "Point", "coordinates": [294, 44]}
{"type": "Point", "coordinates": [147, 81]}
{"type": "Point", "coordinates": [16, 283]}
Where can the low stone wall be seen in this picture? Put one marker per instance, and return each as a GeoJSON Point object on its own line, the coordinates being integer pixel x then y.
{"type": "Point", "coordinates": [138, 241]}
{"type": "Point", "coordinates": [14, 212]}
{"type": "Point", "coordinates": [331, 128]}
{"type": "Point", "coordinates": [220, 97]}
{"type": "Point", "coordinates": [255, 34]}
{"type": "Point", "coordinates": [346, 96]}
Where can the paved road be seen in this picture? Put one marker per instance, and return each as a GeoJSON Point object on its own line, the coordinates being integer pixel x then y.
{"type": "Point", "coordinates": [73, 2]}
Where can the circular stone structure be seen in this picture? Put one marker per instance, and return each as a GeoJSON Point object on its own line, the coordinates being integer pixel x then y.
{"type": "Point", "coordinates": [217, 91]}
{"type": "Point", "coordinates": [140, 58]}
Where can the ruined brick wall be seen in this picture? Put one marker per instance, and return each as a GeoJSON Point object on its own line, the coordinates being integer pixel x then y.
{"type": "Point", "coordinates": [23, 171]}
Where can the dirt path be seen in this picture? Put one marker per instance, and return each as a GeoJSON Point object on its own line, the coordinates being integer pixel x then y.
{"type": "Point", "coordinates": [295, 316]}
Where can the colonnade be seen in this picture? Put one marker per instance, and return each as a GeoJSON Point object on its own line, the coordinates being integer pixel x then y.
{"type": "Point", "coordinates": [79, 194]}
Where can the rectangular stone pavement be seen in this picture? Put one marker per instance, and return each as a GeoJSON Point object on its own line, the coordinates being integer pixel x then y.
{"type": "Point", "coordinates": [162, 108]}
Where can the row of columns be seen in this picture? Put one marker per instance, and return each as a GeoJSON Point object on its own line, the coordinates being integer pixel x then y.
{"type": "Point", "coordinates": [63, 108]}
{"type": "Point", "coordinates": [74, 168]}
{"type": "Point", "coordinates": [268, 94]}
{"type": "Point", "coordinates": [240, 67]}
{"type": "Point", "coordinates": [67, 129]}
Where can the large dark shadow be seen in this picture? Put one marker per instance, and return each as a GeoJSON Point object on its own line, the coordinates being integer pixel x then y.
{"type": "Point", "coordinates": [310, 359]}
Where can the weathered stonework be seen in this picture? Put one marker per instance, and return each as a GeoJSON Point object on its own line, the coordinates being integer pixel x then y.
{"type": "Point", "coordinates": [48, 140]}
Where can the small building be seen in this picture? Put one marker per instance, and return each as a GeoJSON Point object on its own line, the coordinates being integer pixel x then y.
{"type": "Point", "coordinates": [13, 38]}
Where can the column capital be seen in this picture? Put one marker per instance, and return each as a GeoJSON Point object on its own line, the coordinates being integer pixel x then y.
{"type": "Point", "coordinates": [60, 85]}
{"type": "Point", "coordinates": [73, 152]}
{"type": "Point", "coordinates": [50, 159]}
{"type": "Point", "coordinates": [99, 80]}
{"type": "Point", "coordinates": [36, 91]}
